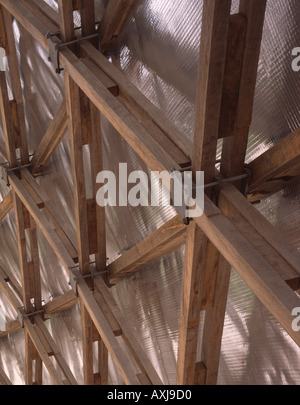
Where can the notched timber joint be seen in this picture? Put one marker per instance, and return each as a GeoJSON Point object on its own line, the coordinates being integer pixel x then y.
{"type": "Point", "coordinates": [215, 185]}
{"type": "Point", "coordinates": [6, 170]}
{"type": "Point", "coordinates": [55, 47]}
{"type": "Point", "coordinates": [22, 314]}
{"type": "Point", "coordinates": [75, 276]}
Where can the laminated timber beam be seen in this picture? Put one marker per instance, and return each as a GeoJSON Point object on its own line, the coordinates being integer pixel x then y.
{"type": "Point", "coordinates": [275, 168]}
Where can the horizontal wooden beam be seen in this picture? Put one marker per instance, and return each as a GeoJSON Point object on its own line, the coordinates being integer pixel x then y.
{"type": "Point", "coordinates": [6, 206]}
{"type": "Point", "coordinates": [260, 276]}
{"type": "Point", "coordinates": [11, 327]}
{"type": "Point", "coordinates": [275, 168]}
{"type": "Point", "coordinates": [163, 240]}
{"type": "Point", "coordinates": [51, 139]}
{"type": "Point", "coordinates": [60, 303]}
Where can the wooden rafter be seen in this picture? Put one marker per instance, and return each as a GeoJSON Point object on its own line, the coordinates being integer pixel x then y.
{"type": "Point", "coordinates": [51, 139]}
{"type": "Point", "coordinates": [163, 240]}
{"type": "Point", "coordinates": [275, 168]}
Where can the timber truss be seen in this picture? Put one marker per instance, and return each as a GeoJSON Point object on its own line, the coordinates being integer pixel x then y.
{"type": "Point", "coordinates": [230, 234]}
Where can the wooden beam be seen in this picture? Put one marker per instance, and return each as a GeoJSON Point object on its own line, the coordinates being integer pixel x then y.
{"type": "Point", "coordinates": [58, 223]}
{"type": "Point", "coordinates": [135, 100]}
{"type": "Point", "coordinates": [269, 287]}
{"type": "Point", "coordinates": [6, 206]}
{"type": "Point", "coordinates": [79, 115]}
{"type": "Point", "coordinates": [46, 348]}
{"type": "Point", "coordinates": [212, 59]}
{"type": "Point", "coordinates": [61, 303]}
{"type": "Point", "coordinates": [128, 335]}
{"type": "Point", "coordinates": [191, 293]}
{"type": "Point", "coordinates": [56, 351]}
{"type": "Point", "coordinates": [201, 256]}
{"type": "Point", "coordinates": [232, 75]}
{"type": "Point", "coordinates": [127, 125]}
{"type": "Point", "coordinates": [42, 222]}
{"type": "Point", "coordinates": [213, 324]}
{"type": "Point", "coordinates": [284, 253]}
{"type": "Point", "coordinates": [163, 240]}
{"type": "Point", "coordinates": [49, 12]}
{"type": "Point", "coordinates": [16, 85]}
{"type": "Point", "coordinates": [7, 122]}
{"type": "Point", "coordinates": [95, 312]}
{"type": "Point", "coordinates": [4, 286]}
{"type": "Point", "coordinates": [115, 17]}
{"type": "Point", "coordinates": [235, 146]}
{"type": "Point", "coordinates": [275, 168]}
{"type": "Point", "coordinates": [243, 81]}
{"type": "Point", "coordinates": [11, 327]}
{"type": "Point", "coordinates": [51, 139]}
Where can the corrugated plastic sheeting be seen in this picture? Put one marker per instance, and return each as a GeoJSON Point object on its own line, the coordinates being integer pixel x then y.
{"type": "Point", "coordinates": [147, 47]}
{"type": "Point", "coordinates": [65, 328]}
{"type": "Point", "coordinates": [150, 301]}
{"type": "Point", "coordinates": [160, 55]}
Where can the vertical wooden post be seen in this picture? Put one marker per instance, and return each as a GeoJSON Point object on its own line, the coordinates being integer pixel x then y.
{"type": "Point", "coordinates": [84, 128]}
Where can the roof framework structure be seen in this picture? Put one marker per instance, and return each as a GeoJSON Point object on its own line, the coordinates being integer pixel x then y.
{"type": "Point", "coordinates": [230, 233]}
